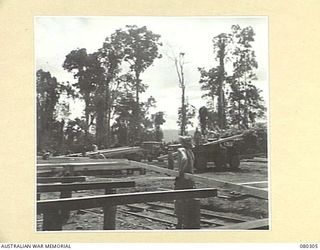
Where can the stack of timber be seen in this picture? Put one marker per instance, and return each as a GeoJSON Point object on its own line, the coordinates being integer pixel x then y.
{"type": "Point", "coordinates": [89, 167]}
{"type": "Point", "coordinates": [221, 140]}
{"type": "Point", "coordinates": [110, 152]}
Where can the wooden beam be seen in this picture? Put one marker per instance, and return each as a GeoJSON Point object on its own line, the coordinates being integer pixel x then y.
{"type": "Point", "coordinates": [255, 192]}
{"type": "Point", "coordinates": [230, 138]}
{"type": "Point", "coordinates": [79, 159]}
{"type": "Point", "coordinates": [109, 165]}
{"type": "Point", "coordinates": [122, 199]}
{"type": "Point", "coordinates": [110, 151]}
{"type": "Point", "coordinates": [61, 179]}
{"type": "Point", "coordinates": [249, 225]}
{"type": "Point", "coordinates": [83, 186]}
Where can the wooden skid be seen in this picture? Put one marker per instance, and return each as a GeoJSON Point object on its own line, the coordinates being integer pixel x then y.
{"type": "Point", "coordinates": [83, 186]}
{"type": "Point", "coordinates": [255, 192]}
{"type": "Point", "coordinates": [249, 225]}
{"type": "Point", "coordinates": [122, 199]}
{"type": "Point", "coordinates": [79, 160]}
{"type": "Point", "coordinates": [61, 179]}
{"type": "Point", "coordinates": [81, 165]}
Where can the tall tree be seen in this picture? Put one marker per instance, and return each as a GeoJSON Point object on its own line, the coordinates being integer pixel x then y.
{"type": "Point", "coordinates": [213, 81]}
{"type": "Point", "coordinates": [47, 99]}
{"type": "Point", "coordinates": [220, 47]}
{"type": "Point", "coordinates": [110, 56]}
{"type": "Point", "coordinates": [158, 120]}
{"type": "Point", "coordinates": [84, 68]}
{"type": "Point", "coordinates": [49, 91]}
{"type": "Point", "coordinates": [140, 51]}
{"type": "Point", "coordinates": [190, 112]}
{"type": "Point", "coordinates": [179, 65]}
{"type": "Point", "coordinates": [245, 99]}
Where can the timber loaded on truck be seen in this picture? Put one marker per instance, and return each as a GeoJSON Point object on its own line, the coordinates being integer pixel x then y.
{"type": "Point", "coordinates": [224, 152]}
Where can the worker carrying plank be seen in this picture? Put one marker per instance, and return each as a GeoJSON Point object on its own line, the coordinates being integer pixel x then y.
{"type": "Point", "coordinates": [186, 210]}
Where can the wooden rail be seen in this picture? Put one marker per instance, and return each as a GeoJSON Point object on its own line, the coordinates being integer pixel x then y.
{"type": "Point", "coordinates": [53, 210]}
{"type": "Point", "coordinates": [122, 199]}
{"type": "Point", "coordinates": [83, 186]}
{"type": "Point", "coordinates": [61, 179]}
{"type": "Point", "coordinates": [81, 165]}
{"type": "Point", "coordinates": [53, 219]}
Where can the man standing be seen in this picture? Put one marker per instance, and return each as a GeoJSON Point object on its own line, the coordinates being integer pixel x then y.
{"type": "Point", "coordinates": [185, 209]}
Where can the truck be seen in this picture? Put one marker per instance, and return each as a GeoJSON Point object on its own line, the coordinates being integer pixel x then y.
{"type": "Point", "coordinates": [152, 150]}
{"type": "Point", "coordinates": [224, 152]}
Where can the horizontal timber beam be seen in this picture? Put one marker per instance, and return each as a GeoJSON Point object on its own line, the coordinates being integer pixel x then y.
{"type": "Point", "coordinates": [83, 186]}
{"type": "Point", "coordinates": [255, 192]}
{"type": "Point", "coordinates": [122, 199]}
{"type": "Point", "coordinates": [61, 179]}
{"type": "Point", "coordinates": [81, 164]}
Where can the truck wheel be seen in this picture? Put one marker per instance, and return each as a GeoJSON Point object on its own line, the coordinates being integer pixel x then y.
{"type": "Point", "coordinates": [219, 163]}
{"type": "Point", "coordinates": [234, 161]}
{"type": "Point", "coordinates": [220, 159]}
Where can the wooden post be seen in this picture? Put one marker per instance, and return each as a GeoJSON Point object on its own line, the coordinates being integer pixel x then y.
{"type": "Point", "coordinates": [192, 214]}
{"type": "Point", "coordinates": [109, 212]}
{"type": "Point", "coordinates": [65, 213]}
{"type": "Point", "coordinates": [52, 221]}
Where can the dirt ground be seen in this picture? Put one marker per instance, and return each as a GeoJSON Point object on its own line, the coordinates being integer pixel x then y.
{"type": "Point", "coordinates": [247, 208]}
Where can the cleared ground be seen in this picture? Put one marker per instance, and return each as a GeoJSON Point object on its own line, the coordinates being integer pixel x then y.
{"type": "Point", "coordinates": [159, 216]}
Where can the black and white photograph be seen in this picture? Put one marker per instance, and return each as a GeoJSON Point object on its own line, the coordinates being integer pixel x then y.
{"type": "Point", "coordinates": [152, 123]}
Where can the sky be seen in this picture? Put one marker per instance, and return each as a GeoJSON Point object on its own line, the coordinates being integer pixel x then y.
{"type": "Point", "coordinates": [55, 37]}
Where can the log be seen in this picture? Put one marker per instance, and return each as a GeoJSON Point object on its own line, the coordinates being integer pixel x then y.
{"type": "Point", "coordinates": [230, 138]}
{"type": "Point", "coordinates": [110, 151]}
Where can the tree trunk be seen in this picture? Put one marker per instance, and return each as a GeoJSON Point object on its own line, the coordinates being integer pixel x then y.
{"type": "Point", "coordinates": [221, 98]}
{"type": "Point", "coordinates": [100, 131]}
{"type": "Point", "coordinates": [183, 111]}
{"type": "Point", "coordinates": [137, 110]}
{"type": "Point", "coordinates": [86, 131]}
{"type": "Point", "coordinates": [108, 112]}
